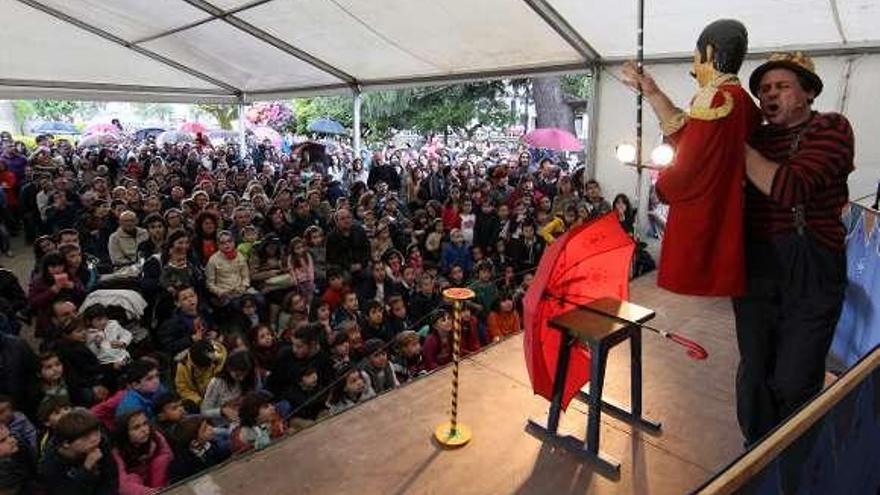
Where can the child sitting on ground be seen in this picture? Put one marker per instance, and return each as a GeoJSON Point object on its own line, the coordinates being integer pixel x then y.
{"type": "Point", "coordinates": [264, 349]}
{"type": "Point", "coordinates": [340, 351]}
{"type": "Point", "coordinates": [20, 427]}
{"type": "Point", "coordinates": [169, 413]}
{"type": "Point", "coordinates": [259, 424]}
{"type": "Point", "coordinates": [203, 361]}
{"type": "Point", "coordinates": [351, 389]}
{"type": "Point", "coordinates": [52, 382]}
{"type": "Point", "coordinates": [380, 374]}
{"type": "Point", "coordinates": [195, 448]}
{"type": "Point", "coordinates": [503, 320]}
{"type": "Point", "coordinates": [408, 360]}
{"type": "Point", "coordinates": [107, 339]}
{"type": "Point", "coordinates": [82, 371]}
{"type": "Point", "coordinates": [50, 411]}
{"type": "Point", "coordinates": [144, 387]}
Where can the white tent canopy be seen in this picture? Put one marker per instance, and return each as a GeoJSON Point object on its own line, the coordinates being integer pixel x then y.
{"type": "Point", "coordinates": [223, 50]}
{"type": "Point", "coordinates": [240, 51]}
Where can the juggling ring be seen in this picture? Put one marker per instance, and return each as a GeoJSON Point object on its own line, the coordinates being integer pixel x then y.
{"type": "Point", "coordinates": [452, 434]}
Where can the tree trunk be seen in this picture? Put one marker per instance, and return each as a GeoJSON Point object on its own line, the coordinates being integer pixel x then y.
{"type": "Point", "coordinates": [550, 105]}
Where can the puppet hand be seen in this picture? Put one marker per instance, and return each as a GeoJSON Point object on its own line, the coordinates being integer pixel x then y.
{"type": "Point", "coordinates": [633, 79]}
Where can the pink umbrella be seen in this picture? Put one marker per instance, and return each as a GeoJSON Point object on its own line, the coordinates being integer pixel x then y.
{"type": "Point", "coordinates": [193, 128]}
{"type": "Point", "coordinates": [554, 139]}
{"type": "Point", "coordinates": [101, 128]}
{"type": "Point", "coordinates": [262, 133]}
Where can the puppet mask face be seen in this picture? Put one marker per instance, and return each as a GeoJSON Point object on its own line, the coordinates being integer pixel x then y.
{"type": "Point", "coordinates": [704, 70]}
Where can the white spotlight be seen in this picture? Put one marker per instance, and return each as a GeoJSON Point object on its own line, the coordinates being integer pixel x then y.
{"type": "Point", "coordinates": [626, 153]}
{"type": "Point", "coordinates": [662, 155]}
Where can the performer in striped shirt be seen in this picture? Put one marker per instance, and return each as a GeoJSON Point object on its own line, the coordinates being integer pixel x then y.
{"type": "Point", "coordinates": [797, 166]}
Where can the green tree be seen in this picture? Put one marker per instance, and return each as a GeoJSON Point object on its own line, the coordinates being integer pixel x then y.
{"type": "Point", "coordinates": [55, 109]}
{"type": "Point", "coordinates": [224, 114]}
{"type": "Point", "coordinates": [338, 108]}
{"type": "Point", "coordinates": [23, 110]}
{"type": "Point", "coordinates": [159, 111]}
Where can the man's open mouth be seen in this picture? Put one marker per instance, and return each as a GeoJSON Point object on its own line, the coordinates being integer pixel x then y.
{"type": "Point", "coordinates": [772, 107]}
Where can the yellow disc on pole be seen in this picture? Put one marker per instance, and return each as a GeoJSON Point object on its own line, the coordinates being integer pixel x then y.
{"type": "Point", "coordinates": [447, 438]}
{"type": "Point", "coordinates": [459, 293]}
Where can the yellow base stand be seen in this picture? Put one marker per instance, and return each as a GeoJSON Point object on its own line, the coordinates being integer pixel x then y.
{"type": "Point", "coordinates": [445, 436]}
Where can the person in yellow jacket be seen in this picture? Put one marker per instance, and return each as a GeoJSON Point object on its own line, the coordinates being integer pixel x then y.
{"type": "Point", "coordinates": [203, 361]}
{"type": "Point", "coordinates": [559, 225]}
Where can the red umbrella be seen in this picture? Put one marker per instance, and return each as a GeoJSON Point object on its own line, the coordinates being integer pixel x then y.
{"type": "Point", "coordinates": [554, 139]}
{"type": "Point", "coordinates": [587, 263]}
{"type": "Point", "coordinates": [193, 128]}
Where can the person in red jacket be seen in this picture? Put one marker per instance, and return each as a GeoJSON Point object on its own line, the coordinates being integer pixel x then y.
{"type": "Point", "coordinates": [703, 250]}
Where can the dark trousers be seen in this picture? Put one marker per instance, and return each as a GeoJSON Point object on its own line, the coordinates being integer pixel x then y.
{"type": "Point", "coordinates": [784, 327]}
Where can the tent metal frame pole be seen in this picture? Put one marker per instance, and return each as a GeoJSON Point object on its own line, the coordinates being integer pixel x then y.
{"type": "Point", "coordinates": [267, 38]}
{"type": "Point", "coordinates": [356, 122]}
{"type": "Point", "coordinates": [559, 24]}
{"type": "Point", "coordinates": [641, 209]}
{"type": "Point", "coordinates": [242, 139]}
{"type": "Point", "coordinates": [139, 49]}
{"type": "Point", "coordinates": [593, 128]}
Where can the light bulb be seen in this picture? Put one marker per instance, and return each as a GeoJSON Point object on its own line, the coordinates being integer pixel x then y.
{"type": "Point", "coordinates": [662, 155]}
{"type": "Point", "coordinates": [626, 153]}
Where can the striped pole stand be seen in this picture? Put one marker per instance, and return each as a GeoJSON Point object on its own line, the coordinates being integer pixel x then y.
{"type": "Point", "coordinates": [452, 433]}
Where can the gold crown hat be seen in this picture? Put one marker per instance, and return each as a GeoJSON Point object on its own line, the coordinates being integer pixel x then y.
{"type": "Point", "coordinates": [796, 62]}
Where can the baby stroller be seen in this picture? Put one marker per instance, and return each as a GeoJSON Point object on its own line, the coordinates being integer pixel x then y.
{"type": "Point", "coordinates": [126, 306]}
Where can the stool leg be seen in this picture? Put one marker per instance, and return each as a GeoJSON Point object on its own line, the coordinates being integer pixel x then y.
{"type": "Point", "coordinates": [635, 366]}
{"type": "Point", "coordinates": [597, 381]}
{"type": "Point", "coordinates": [562, 359]}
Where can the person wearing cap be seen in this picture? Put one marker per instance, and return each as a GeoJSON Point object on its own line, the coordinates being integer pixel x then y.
{"type": "Point", "coordinates": [797, 167]}
{"type": "Point", "coordinates": [703, 247]}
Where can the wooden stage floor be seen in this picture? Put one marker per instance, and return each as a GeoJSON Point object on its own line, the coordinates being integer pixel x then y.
{"type": "Point", "coordinates": [385, 446]}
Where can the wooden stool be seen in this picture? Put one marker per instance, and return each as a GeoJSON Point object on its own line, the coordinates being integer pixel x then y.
{"type": "Point", "coordinates": [600, 333]}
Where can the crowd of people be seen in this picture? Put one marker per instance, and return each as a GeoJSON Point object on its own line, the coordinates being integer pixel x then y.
{"type": "Point", "coordinates": [189, 303]}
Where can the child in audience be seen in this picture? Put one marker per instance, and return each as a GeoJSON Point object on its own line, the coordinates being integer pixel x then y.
{"type": "Point", "coordinates": [322, 316]}
{"type": "Point", "coordinates": [340, 351]}
{"type": "Point", "coordinates": [19, 425]}
{"type": "Point", "coordinates": [408, 363]}
{"type": "Point", "coordinates": [378, 369]}
{"type": "Point", "coordinates": [107, 339]}
{"type": "Point", "coordinates": [142, 455]}
{"type": "Point", "coordinates": [398, 321]}
{"type": "Point", "coordinates": [169, 413]}
{"type": "Point", "coordinates": [260, 424]}
{"type": "Point", "coordinates": [503, 320]}
{"type": "Point", "coordinates": [351, 389]}
{"type": "Point", "coordinates": [437, 350]}
{"type": "Point", "coordinates": [335, 290]}
{"type": "Point", "coordinates": [144, 386]}
{"type": "Point", "coordinates": [77, 459]}
{"type": "Point", "coordinates": [50, 411]}
{"type": "Point", "coordinates": [305, 400]}
{"type": "Point", "coordinates": [203, 361]}
{"type": "Point", "coordinates": [222, 398]}
{"type": "Point", "coordinates": [52, 382]}
{"type": "Point", "coordinates": [82, 371]}
{"type": "Point", "coordinates": [195, 448]}
{"type": "Point", "coordinates": [17, 468]}
{"type": "Point", "coordinates": [470, 333]}
{"type": "Point", "coordinates": [264, 349]}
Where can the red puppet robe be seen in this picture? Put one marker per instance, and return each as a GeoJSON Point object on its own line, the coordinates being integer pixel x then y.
{"type": "Point", "coordinates": [703, 249]}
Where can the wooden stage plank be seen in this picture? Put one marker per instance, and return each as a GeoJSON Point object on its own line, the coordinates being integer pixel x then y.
{"type": "Point", "coordinates": [385, 446]}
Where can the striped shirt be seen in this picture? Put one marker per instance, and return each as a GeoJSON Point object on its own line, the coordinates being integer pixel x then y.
{"type": "Point", "coordinates": [814, 160]}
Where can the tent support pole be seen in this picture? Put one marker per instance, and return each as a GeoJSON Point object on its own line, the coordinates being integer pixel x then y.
{"type": "Point", "coordinates": [356, 122]}
{"type": "Point", "coordinates": [641, 204]}
{"type": "Point", "coordinates": [242, 142]}
{"type": "Point", "coordinates": [593, 124]}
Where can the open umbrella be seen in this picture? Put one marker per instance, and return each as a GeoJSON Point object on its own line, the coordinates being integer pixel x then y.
{"type": "Point", "coordinates": [173, 137]}
{"type": "Point", "coordinates": [326, 125]}
{"type": "Point", "coordinates": [99, 139]}
{"type": "Point", "coordinates": [193, 128]}
{"type": "Point", "coordinates": [147, 132]}
{"type": "Point", "coordinates": [55, 128]}
{"type": "Point", "coordinates": [554, 139]}
{"type": "Point", "coordinates": [262, 133]}
{"type": "Point", "coordinates": [587, 263]}
{"type": "Point", "coordinates": [101, 127]}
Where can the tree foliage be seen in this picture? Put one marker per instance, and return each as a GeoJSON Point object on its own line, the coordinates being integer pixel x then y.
{"type": "Point", "coordinates": [55, 109]}
{"type": "Point", "coordinates": [159, 111]}
{"type": "Point", "coordinates": [460, 108]}
{"type": "Point", "coordinates": [224, 114]}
